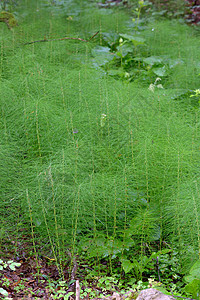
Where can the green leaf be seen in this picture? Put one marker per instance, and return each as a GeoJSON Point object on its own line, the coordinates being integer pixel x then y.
{"type": "Point", "coordinates": [102, 55]}
{"type": "Point", "coordinates": [153, 60]}
{"type": "Point", "coordinates": [164, 251]}
{"type": "Point", "coordinates": [3, 292]}
{"type": "Point", "coordinates": [66, 297]}
{"type": "Point", "coordinates": [13, 265]}
{"type": "Point", "coordinates": [110, 38]}
{"type": "Point", "coordinates": [136, 40]}
{"type": "Point", "coordinates": [193, 288]}
{"type": "Point", "coordinates": [114, 72]}
{"type": "Point", "coordinates": [174, 62]}
{"type": "Point", "coordinates": [127, 265]}
{"type": "Point", "coordinates": [60, 291]}
{"type": "Point", "coordinates": [99, 50]}
{"type": "Point", "coordinates": [194, 272]}
{"type": "Point", "coordinates": [160, 252]}
{"type": "Point", "coordinates": [10, 261]}
{"type": "Point", "coordinates": [162, 289]}
{"type": "Point", "coordinates": [124, 50]}
{"type": "Point", "coordinates": [145, 260]}
{"type": "Point", "coordinates": [160, 71]}
{"type": "Point", "coordinates": [17, 264]}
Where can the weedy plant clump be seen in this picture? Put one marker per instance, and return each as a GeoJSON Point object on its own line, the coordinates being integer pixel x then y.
{"type": "Point", "coordinates": [100, 146]}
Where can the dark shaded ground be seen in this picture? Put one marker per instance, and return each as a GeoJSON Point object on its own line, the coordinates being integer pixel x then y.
{"type": "Point", "coordinates": [24, 282]}
{"type": "Point", "coordinates": [193, 11]}
{"type": "Point", "coordinates": [32, 279]}
{"type": "Point", "coordinates": [190, 10]}
{"type": "Point", "coordinates": [38, 277]}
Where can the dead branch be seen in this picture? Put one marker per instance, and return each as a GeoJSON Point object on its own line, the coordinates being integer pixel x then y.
{"type": "Point", "coordinates": [62, 39]}
{"type": "Point", "coordinates": [77, 290]}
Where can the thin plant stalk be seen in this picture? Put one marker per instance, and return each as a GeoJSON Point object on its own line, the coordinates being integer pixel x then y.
{"type": "Point", "coordinates": [32, 231]}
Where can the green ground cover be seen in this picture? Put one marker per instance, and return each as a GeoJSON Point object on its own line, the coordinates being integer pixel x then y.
{"type": "Point", "coordinates": [98, 157]}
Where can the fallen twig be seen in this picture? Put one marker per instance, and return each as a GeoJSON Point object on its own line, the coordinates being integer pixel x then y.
{"type": "Point", "coordinates": [62, 39]}
{"type": "Point", "coordinates": [77, 290]}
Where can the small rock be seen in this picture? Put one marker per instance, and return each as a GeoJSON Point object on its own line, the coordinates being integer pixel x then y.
{"type": "Point", "coordinates": [116, 296]}
{"type": "Point", "coordinates": [153, 294]}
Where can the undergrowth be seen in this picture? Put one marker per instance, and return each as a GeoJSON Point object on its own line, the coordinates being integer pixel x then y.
{"type": "Point", "coordinates": [92, 165]}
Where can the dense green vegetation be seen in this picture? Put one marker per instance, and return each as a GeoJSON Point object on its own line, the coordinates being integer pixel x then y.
{"type": "Point", "coordinates": [100, 143]}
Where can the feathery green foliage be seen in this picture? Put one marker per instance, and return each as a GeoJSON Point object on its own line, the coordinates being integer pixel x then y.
{"type": "Point", "coordinates": [97, 156]}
